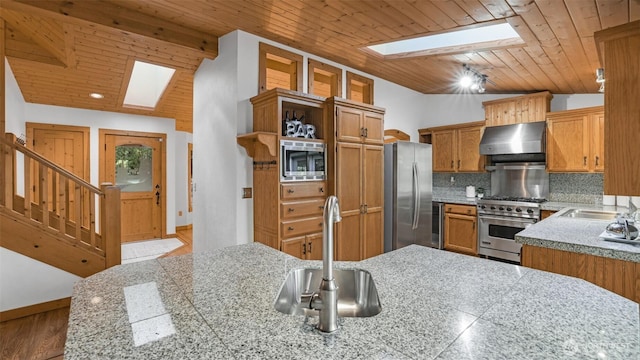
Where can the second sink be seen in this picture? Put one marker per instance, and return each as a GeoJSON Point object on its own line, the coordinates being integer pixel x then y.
{"type": "Point", "coordinates": [590, 214]}
{"type": "Point", "coordinates": [357, 293]}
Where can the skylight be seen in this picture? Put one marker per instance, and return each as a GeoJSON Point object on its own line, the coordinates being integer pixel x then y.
{"type": "Point", "coordinates": [490, 36]}
{"type": "Point", "coordinates": [147, 84]}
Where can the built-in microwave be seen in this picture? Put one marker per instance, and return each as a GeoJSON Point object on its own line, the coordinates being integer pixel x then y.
{"type": "Point", "coordinates": [302, 160]}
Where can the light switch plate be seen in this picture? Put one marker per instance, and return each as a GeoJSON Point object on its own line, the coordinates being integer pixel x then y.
{"type": "Point", "coordinates": [246, 193]}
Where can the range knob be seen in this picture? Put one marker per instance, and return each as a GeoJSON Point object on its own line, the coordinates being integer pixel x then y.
{"type": "Point", "coordinates": [530, 211]}
{"type": "Point", "coordinates": [501, 208]}
{"type": "Point", "coordinates": [518, 210]}
{"type": "Point", "coordinates": [509, 209]}
{"type": "Point", "coordinates": [493, 208]}
{"type": "Point", "coordinates": [483, 206]}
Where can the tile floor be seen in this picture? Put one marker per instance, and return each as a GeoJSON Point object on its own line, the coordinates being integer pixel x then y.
{"type": "Point", "coordinates": [150, 249]}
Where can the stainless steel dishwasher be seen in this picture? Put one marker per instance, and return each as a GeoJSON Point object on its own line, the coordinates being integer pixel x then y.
{"type": "Point", "coordinates": [437, 225]}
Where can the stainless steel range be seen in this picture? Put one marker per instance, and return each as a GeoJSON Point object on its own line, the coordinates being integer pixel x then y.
{"type": "Point", "coordinates": [518, 190]}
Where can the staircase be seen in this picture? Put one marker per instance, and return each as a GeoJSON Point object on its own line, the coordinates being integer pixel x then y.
{"type": "Point", "coordinates": [54, 220]}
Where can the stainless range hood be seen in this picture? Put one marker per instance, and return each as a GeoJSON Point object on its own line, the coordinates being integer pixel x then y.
{"type": "Point", "coordinates": [526, 138]}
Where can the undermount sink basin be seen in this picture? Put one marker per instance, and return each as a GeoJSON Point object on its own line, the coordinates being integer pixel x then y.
{"type": "Point", "coordinates": [357, 294]}
{"type": "Point", "coordinates": [590, 214]}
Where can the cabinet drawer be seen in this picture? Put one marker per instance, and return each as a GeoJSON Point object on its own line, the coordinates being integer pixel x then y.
{"type": "Point", "coordinates": [460, 209]}
{"type": "Point", "coordinates": [300, 227]}
{"type": "Point", "coordinates": [302, 190]}
{"type": "Point", "coordinates": [306, 208]}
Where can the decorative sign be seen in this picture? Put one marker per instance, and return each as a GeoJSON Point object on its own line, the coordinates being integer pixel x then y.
{"type": "Point", "coordinates": [295, 128]}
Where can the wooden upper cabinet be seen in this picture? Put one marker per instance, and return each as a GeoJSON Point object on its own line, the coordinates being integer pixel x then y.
{"type": "Point", "coordinates": [444, 149]}
{"type": "Point", "coordinates": [359, 125]}
{"type": "Point", "coordinates": [517, 110]}
{"type": "Point", "coordinates": [359, 88]}
{"type": "Point", "coordinates": [575, 140]}
{"type": "Point", "coordinates": [323, 79]}
{"type": "Point", "coordinates": [622, 71]}
{"type": "Point", "coordinates": [456, 148]}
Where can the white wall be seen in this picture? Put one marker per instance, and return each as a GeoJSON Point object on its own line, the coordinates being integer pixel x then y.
{"type": "Point", "coordinates": [14, 103]}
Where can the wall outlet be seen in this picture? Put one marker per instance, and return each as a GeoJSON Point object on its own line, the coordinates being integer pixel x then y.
{"type": "Point", "coordinates": [246, 193]}
{"type": "Point", "coordinates": [180, 213]}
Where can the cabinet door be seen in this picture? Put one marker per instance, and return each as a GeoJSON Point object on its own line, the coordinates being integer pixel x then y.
{"type": "Point", "coordinates": [349, 180]}
{"type": "Point", "coordinates": [374, 128]}
{"type": "Point", "coordinates": [460, 234]}
{"type": "Point", "coordinates": [373, 195]}
{"type": "Point", "coordinates": [314, 246]}
{"type": "Point", "coordinates": [443, 147]}
{"type": "Point", "coordinates": [568, 144]}
{"type": "Point", "coordinates": [469, 158]}
{"type": "Point", "coordinates": [349, 124]}
{"type": "Point", "coordinates": [294, 247]}
{"type": "Point", "coordinates": [597, 138]}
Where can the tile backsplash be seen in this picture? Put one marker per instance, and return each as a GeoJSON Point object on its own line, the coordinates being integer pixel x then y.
{"type": "Point", "coordinates": [563, 187]}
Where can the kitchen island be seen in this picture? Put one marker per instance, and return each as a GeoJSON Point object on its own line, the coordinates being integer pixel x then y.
{"type": "Point", "coordinates": [435, 305]}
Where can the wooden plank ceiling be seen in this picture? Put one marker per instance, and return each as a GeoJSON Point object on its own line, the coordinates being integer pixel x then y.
{"type": "Point", "coordinates": [60, 51]}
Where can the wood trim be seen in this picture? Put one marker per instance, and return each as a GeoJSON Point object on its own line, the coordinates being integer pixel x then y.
{"type": "Point", "coordinates": [265, 49]}
{"type": "Point", "coordinates": [367, 96]}
{"type": "Point", "coordinates": [613, 33]}
{"type": "Point", "coordinates": [189, 176]}
{"type": "Point", "coordinates": [34, 309]}
{"type": "Point", "coordinates": [575, 112]}
{"type": "Point", "coordinates": [546, 94]}
{"type": "Point", "coordinates": [395, 135]}
{"type": "Point", "coordinates": [426, 131]}
{"type": "Point", "coordinates": [184, 227]}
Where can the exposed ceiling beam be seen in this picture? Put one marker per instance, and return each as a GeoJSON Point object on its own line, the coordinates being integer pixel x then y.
{"type": "Point", "coordinates": [125, 20]}
{"type": "Point", "coordinates": [19, 45]}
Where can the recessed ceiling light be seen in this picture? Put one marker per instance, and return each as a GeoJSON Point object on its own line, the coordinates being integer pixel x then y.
{"type": "Point", "coordinates": [147, 84]}
{"type": "Point", "coordinates": [96, 95]}
{"type": "Point", "coordinates": [462, 40]}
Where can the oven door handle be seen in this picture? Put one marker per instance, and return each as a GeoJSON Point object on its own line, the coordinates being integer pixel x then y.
{"type": "Point", "coordinates": [506, 221]}
{"type": "Point", "coordinates": [416, 197]}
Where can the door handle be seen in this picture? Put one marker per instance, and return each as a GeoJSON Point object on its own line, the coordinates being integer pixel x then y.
{"type": "Point", "coordinates": [585, 160]}
{"type": "Point", "coordinates": [485, 243]}
{"type": "Point", "coordinates": [157, 194]}
{"type": "Point", "coordinates": [309, 248]}
{"type": "Point", "coordinates": [416, 197]}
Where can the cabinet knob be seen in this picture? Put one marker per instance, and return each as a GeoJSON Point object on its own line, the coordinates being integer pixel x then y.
{"type": "Point", "coordinates": [469, 211]}
{"type": "Point", "coordinates": [290, 191]}
{"type": "Point", "coordinates": [291, 209]}
{"type": "Point", "coordinates": [321, 189]}
{"type": "Point", "coordinates": [290, 228]}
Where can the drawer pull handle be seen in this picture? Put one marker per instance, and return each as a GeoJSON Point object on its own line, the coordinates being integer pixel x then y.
{"type": "Point", "coordinates": [322, 189]}
{"type": "Point", "coordinates": [320, 224]}
{"type": "Point", "coordinates": [321, 207]}
{"type": "Point", "coordinates": [485, 243]}
{"type": "Point", "coordinates": [290, 228]}
{"type": "Point", "coordinates": [468, 211]}
{"type": "Point", "coordinates": [290, 191]}
{"type": "Point", "coordinates": [291, 209]}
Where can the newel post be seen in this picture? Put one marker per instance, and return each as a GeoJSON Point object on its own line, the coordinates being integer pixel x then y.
{"type": "Point", "coordinates": [110, 224]}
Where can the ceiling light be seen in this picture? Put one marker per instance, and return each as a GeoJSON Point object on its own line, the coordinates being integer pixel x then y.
{"type": "Point", "coordinates": [96, 95]}
{"type": "Point", "coordinates": [472, 79]}
{"type": "Point", "coordinates": [147, 84]}
{"type": "Point", "coordinates": [462, 40]}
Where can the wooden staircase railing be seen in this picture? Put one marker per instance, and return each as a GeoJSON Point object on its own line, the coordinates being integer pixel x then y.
{"type": "Point", "coordinates": [57, 211]}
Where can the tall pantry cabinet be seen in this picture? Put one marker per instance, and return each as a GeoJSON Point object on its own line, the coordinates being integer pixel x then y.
{"type": "Point", "coordinates": [356, 176]}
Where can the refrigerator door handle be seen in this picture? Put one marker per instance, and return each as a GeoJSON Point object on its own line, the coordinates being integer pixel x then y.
{"type": "Point", "coordinates": [416, 197]}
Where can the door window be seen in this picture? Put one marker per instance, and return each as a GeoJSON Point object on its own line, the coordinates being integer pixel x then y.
{"type": "Point", "coordinates": [134, 168]}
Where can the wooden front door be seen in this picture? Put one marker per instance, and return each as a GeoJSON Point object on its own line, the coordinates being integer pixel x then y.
{"type": "Point", "coordinates": [134, 162]}
{"type": "Point", "coordinates": [67, 147]}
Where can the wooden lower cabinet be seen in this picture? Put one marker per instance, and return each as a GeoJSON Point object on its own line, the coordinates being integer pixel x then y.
{"type": "Point", "coordinates": [619, 276]}
{"type": "Point", "coordinates": [461, 229]}
{"type": "Point", "coordinates": [546, 213]}
{"type": "Point", "coordinates": [308, 247]}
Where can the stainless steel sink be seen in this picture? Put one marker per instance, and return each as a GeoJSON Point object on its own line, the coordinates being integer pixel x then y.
{"type": "Point", "coordinates": [357, 294]}
{"type": "Point", "coordinates": [590, 214]}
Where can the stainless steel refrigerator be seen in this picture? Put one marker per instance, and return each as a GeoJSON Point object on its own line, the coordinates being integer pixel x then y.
{"type": "Point", "coordinates": [407, 195]}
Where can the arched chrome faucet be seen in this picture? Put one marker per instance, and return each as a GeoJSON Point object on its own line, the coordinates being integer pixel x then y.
{"type": "Point", "coordinates": [326, 299]}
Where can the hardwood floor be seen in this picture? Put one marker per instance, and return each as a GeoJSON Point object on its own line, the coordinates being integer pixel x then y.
{"type": "Point", "coordinates": [42, 336]}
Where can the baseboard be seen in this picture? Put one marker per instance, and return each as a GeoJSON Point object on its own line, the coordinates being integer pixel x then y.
{"type": "Point", "coordinates": [184, 227]}
{"type": "Point", "coordinates": [34, 309]}
{"type": "Point", "coordinates": [169, 236]}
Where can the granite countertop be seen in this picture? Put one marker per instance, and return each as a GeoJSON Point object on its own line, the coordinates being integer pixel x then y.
{"type": "Point", "coordinates": [435, 305]}
{"type": "Point", "coordinates": [454, 199]}
{"type": "Point", "coordinates": [578, 235]}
